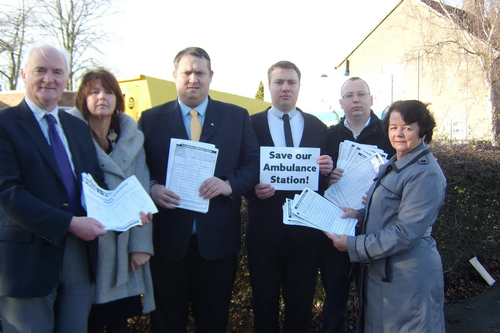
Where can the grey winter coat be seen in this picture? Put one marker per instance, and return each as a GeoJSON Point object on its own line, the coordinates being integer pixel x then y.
{"type": "Point", "coordinates": [402, 274]}
{"type": "Point", "coordinates": [115, 279]}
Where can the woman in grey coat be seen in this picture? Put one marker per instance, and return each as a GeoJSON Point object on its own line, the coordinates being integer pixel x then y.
{"type": "Point", "coordinates": [123, 272]}
{"type": "Point", "coordinates": [401, 271]}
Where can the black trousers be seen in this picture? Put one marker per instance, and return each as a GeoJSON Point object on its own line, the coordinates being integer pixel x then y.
{"type": "Point", "coordinates": [335, 271]}
{"type": "Point", "coordinates": [290, 268]}
{"type": "Point", "coordinates": [206, 285]}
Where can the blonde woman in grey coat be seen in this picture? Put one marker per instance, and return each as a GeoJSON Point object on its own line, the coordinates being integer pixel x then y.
{"type": "Point", "coordinates": [401, 271]}
{"type": "Point", "coordinates": [123, 272]}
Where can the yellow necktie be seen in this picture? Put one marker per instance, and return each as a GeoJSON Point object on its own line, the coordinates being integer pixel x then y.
{"type": "Point", "coordinates": [195, 126]}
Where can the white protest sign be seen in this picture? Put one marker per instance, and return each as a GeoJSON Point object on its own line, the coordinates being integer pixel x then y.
{"type": "Point", "coordinates": [289, 169]}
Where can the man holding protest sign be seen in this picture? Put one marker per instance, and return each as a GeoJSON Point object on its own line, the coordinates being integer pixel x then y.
{"type": "Point", "coordinates": [363, 126]}
{"type": "Point", "coordinates": [285, 257]}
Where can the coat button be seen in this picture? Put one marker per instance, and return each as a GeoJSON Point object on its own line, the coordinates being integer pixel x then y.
{"type": "Point", "coordinates": [65, 205]}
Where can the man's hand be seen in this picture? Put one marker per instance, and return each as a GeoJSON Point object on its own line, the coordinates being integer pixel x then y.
{"type": "Point", "coordinates": [137, 259]}
{"type": "Point", "coordinates": [264, 191]}
{"type": "Point", "coordinates": [163, 197]}
{"type": "Point", "coordinates": [325, 164]}
{"type": "Point", "coordinates": [335, 176]}
{"type": "Point", "coordinates": [213, 187]}
{"type": "Point", "coordinates": [86, 228]}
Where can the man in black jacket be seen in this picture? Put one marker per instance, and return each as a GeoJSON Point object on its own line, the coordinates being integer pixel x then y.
{"type": "Point", "coordinates": [283, 258]}
{"type": "Point", "coordinates": [360, 125]}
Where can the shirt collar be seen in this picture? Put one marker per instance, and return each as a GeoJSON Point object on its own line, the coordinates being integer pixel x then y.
{"type": "Point", "coordinates": [346, 124]}
{"type": "Point", "coordinates": [39, 112]}
{"type": "Point", "coordinates": [202, 108]}
{"type": "Point", "coordinates": [280, 114]}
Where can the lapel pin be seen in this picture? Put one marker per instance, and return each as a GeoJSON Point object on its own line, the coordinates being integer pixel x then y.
{"type": "Point", "coordinates": [212, 124]}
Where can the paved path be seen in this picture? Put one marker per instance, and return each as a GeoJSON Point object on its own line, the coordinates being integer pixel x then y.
{"type": "Point", "coordinates": [480, 314]}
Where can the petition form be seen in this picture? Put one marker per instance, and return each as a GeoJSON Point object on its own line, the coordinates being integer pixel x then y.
{"type": "Point", "coordinates": [354, 184]}
{"type": "Point", "coordinates": [190, 163]}
{"type": "Point", "coordinates": [118, 210]}
{"type": "Point", "coordinates": [317, 212]}
{"type": "Point", "coordinates": [360, 164]}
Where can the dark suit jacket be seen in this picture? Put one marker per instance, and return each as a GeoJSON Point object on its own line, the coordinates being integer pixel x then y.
{"type": "Point", "coordinates": [265, 217]}
{"type": "Point", "coordinates": [229, 128]}
{"type": "Point", "coordinates": [33, 200]}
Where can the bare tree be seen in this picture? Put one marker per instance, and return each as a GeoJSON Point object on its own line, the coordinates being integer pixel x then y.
{"type": "Point", "coordinates": [474, 31]}
{"type": "Point", "coordinates": [78, 25]}
{"type": "Point", "coordinates": [15, 24]}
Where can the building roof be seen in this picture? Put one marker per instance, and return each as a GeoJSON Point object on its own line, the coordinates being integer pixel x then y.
{"type": "Point", "coordinates": [464, 19]}
{"type": "Point", "coordinates": [369, 34]}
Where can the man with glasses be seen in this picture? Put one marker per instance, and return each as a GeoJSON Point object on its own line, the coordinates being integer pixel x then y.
{"type": "Point", "coordinates": [360, 125]}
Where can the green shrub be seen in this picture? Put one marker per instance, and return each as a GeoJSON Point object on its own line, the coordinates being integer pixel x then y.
{"type": "Point", "coordinates": [468, 223]}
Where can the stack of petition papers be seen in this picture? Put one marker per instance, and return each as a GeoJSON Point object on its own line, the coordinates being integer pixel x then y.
{"type": "Point", "coordinates": [360, 164]}
{"type": "Point", "coordinates": [310, 209]}
{"type": "Point", "coordinates": [120, 209]}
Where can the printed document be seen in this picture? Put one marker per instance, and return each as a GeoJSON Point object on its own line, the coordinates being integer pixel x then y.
{"type": "Point", "coordinates": [118, 210]}
{"type": "Point", "coordinates": [190, 163]}
{"type": "Point", "coordinates": [313, 210]}
{"type": "Point", "coordinates": [360, 164]}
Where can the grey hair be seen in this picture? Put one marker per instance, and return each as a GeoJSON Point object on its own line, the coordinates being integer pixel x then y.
{"type": "Point", "coordinates": [42, 47]}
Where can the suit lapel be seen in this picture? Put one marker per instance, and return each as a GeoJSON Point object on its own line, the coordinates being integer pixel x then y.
{"type": "Point", "coordinates": [175, 122]}
{"type": "Point", "coordinates": [307, 129]}
{"type": "Point", "coordinates": [28, 121]}
{"type": "Point", "coordinates": [213, 118]}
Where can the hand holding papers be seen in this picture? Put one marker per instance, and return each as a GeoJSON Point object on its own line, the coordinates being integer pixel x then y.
{"type": "Point", "coordinates": [190, 163]}
{"type": "Point", "coordinates": [312, 210]}
{"type": "Point", "coordinates": [117, 210]}
{"type": "Point", "coordinates": [289, 169]}
{"type": "Point", "coordinates": [360, 164]}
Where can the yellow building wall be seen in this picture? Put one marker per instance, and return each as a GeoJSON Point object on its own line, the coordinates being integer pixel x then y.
{"type": "Point", "coordinates": [447, 77]}
{"type": "Point", "coordinates": [144, 92]}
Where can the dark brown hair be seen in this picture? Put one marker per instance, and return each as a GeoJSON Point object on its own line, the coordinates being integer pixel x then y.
{"type": "Point", "coordinates": [194, 51]}
{"type": "Point", "coordinates": [413, 111]}
{"type": "Point", "coordinates": [109, 82]}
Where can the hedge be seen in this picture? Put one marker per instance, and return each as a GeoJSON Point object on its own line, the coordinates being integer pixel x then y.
{"type": "Point", "coordinates": [467, 226]}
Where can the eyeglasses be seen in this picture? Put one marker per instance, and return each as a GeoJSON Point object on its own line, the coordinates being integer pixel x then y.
{"type": "Point", "coordinates": [359, 95]}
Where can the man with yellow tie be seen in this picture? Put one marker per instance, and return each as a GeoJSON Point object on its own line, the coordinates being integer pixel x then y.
{"type": "Point", "coordinates": [196, 254]}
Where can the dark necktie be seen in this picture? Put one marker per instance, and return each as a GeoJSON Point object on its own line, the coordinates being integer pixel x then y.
{"type": "Point", "coordinates": [288, 130]}
{"type": "Point", "coordinates": [64, 165]}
